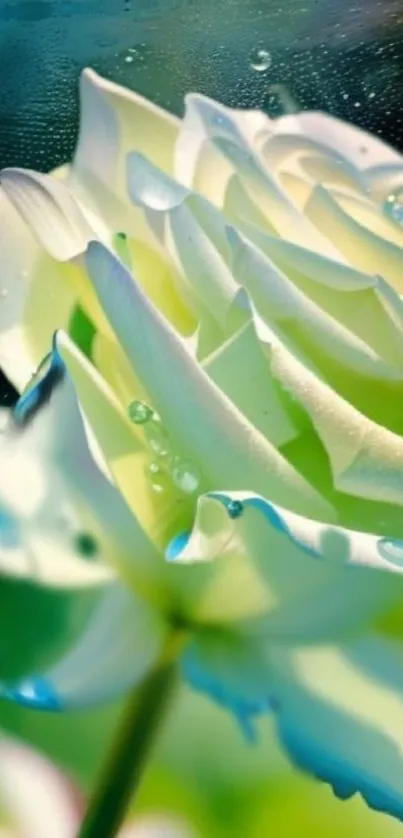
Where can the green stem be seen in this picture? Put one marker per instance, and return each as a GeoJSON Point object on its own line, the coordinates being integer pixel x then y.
{"type": "Point", "coordinates": [128, 758]}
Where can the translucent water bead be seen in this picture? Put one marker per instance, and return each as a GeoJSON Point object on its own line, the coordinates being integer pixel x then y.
{"type": "Point", "coordinates": [185, 475]}
{"type": "Point", "coordinates": [393, 206]}
{"type": "Point", "coordinates": [140, 412]}
{"type": "Point", "coordinates": [260, 60]}
{"type": "Point", "coordinates": [158, 477]}
{"type": "Point", "coordinates": [235, 509]}
{"type": "Point", "coordinates": [157, 437]}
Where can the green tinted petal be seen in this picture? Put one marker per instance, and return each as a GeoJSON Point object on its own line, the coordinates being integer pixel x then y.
{"type": "Point", "coordinates": [366, 250]}
{"type": "Point", "coordinates": [113, 121]}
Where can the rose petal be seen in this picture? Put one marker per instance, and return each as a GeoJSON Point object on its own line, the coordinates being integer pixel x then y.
{"type": "Point", "coordinates": [201, 421]}
{"type": "Point", "coordinates": [290, 578]}
{"type": "Point", "coordinates": [211, 149]}
{"type": "Point", "coordinates": [241, 370]}
{"type": "Point", "coordinates": [337, 706]}
{"type": "Point", "coordinates": [119, 645]}
{"type": "Point", "coordinates": [367, 251]}
{"type": "Point", "coordinates": [113, 121]}
{"type": "Point", "coordinates": [339, 135]}
{"type": "Point", "coordinates": [342, 291]}
{"type": "Point", "coordinates": [27, 285]}
{"type": "Point", "coordinates": [50, 210]}
{"type": "Point", "coordinates": [233, 670]}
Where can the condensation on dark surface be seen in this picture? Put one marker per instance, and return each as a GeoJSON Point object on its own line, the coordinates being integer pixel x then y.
{"type": "Point", "coordinates": [345, 57]}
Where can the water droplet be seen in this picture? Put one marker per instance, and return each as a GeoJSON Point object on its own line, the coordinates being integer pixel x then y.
{"type": "Point", "coordinates": [260, 60]}
{"type": "Point", "coordinates": [345, 96]}
{"type": "Point", "coordinates": [185, 475]}
{"type": "Point", "coordinates": [140, 412]}
{"type": "Point", "coordinates": [157, 437]}
{"type": "Point", "coordinates": [235, 508]}
{"type": "Point", "coordinates": [393, 206]}
{"type": "Point", "coordinates": [129, 59]}
{"type": "Point", "coordinates": [154, 468]}
{"type": "Point", "coordinates": [86, 545]}
{"type": "Point", "coordinates": [371, 95]}
{"type": "Point", "coordinates": [158, 488]}
{"type": "Point", "coordinates": [391, 549]}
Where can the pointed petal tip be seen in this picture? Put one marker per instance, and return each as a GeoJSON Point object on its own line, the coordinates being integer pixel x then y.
{"type": "Point", "coordinates": [90, 74]}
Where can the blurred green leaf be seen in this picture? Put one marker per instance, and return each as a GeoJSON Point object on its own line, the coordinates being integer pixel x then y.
{"type": "Point", "coordinates": [37, 625]}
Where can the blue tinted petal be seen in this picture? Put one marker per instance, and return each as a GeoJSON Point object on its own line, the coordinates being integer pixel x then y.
{"type": "Point", "coordinates": [340, 716]}
{"type": "Point", "coordinates": [233, 671]}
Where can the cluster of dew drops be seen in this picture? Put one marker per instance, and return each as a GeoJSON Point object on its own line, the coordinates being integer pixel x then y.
{"type": "Point", "coordinates": [166, 469]}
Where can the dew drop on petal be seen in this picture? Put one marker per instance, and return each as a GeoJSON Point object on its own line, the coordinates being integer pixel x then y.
{"type": "Point", "coordinates": [154, 469]}
{"type": "Point", "coordinates": [391, 549]}
{"type": "Point", "coordinates": [157, 437]}
{"type": "Point", "coordinates": [185, 475]}
{"type": "Point", "coordinates": [393, 206]}
{"type": "Point", "coordinates": [260, 60]}
{"type": "Point", "coordinates": [140, 412]}
{"type": "Point", "coordinates": [158, 477]}
{"type": "Point", "coordinates": [158, 488]}
{"type": "Point", "coordinates": [235, 508]}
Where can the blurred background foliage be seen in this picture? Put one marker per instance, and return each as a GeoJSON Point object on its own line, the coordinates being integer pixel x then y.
{"type": "Point", "coordinates": [342, 56]}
